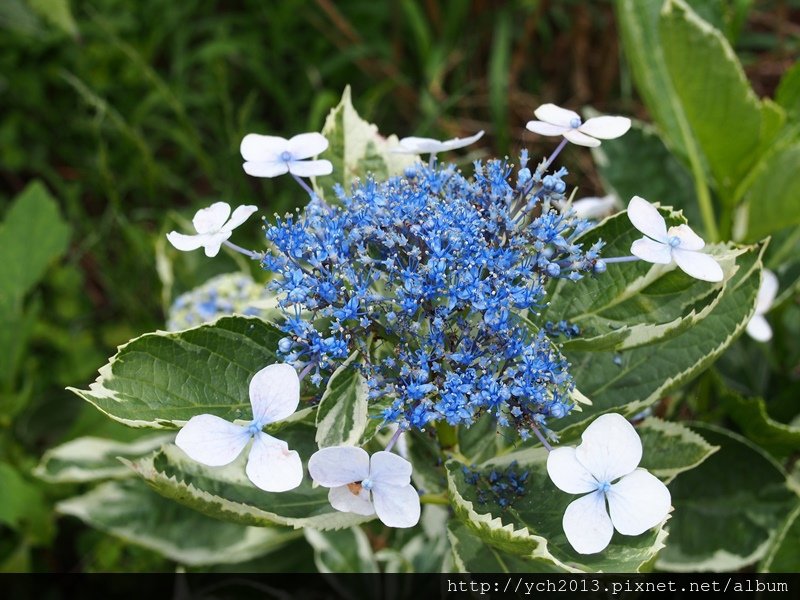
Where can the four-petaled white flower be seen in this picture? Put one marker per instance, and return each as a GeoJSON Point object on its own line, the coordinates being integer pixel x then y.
{"type": "Point", "coordinates": [555, 120]}
{"type": "Point", "coordinates": [352, 476]}
{"type": "Point", "coordinates": [662, 245]}
{"type": "Point", "coordinates": [270, 155]}
{"type": "Point", "coordinates": [419, 145]}
{"type": "Point", "coordinates": [758, 328]}
{"type": "Point", "coordinates": [213, 227]}
{"type": "Point", "coordinates": [271, 466]}
{"type": "Point", "coordinates": [610, 450]}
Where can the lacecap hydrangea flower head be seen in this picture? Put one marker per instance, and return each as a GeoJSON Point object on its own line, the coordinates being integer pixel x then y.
{"type": "Point", "coordinates": [435, 268]}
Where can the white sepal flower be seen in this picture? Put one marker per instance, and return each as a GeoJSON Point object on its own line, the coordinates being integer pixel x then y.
{"type": "Point", "coordinates": [663, 246]}
{"type": "Point", "coordinates": [418, 145]}
{"type": "Point", "coordinates": [758, 328]}
{"type": "Point", "coordinates": [604, 467]}
{"type": "Point", "coordinates": [366, 485]}
{"type": "Point", "coordinates": [554, 120]}
{"type": "Point", "coordinates": [595, 208]}
{"type": "Point", "coordinates": [270, 155]}
{"type": "Point", "coordinates": [271, 466]}
{"type": "Point", "coordinates": [213, 227]}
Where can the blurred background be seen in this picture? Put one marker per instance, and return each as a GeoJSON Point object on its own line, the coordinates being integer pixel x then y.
{"type": "Point", "coordinates": [131, 114]}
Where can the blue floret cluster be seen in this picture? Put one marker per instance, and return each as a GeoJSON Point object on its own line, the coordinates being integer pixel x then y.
{"type": "Point", "coordinates": [437, 281]}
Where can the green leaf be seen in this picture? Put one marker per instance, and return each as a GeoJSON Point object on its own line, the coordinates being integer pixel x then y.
{"type": "Point", "coordinates": [33, 216]}
{"type": "Point", "coordinates": [344, 551]}
{"type": "Point", "coordinates": [631, 379]}
{"type": "Point", "coordinates": [720, 106]}
{"type": "Point", "coordinates": [93, 459]}
{"type": "Point", "coordinates": [773, 194]}
{"type": "Point", "coordinates": [751, 416]}
{"type": "Point", "coordinates": [226, 493]}
{"type": "Point", "coordinates": [531, 527]}
{"type": "Point", "coordinates": [782, 556]}
{"type": "Point", "coordinates": [638, 22]}
{"type": "Point", "coordinates": [164, 379]}
{"type": "Point", "coordinates": [788, 92]}
{"type": "Point", "coordinates": [639, 164]}
{"type": "Point", "coordinates": [479, 442]}
{"type": "Point", "coordinates": [23, 507]}
{"type": "Point", "coordinates": [131, 511]}
{"type": "Point", "coordinates": [472, 555]}
{"type": "Point", "coordinates": [342, 412]}
{"type": "Point", "coordinates": [356, 149]}
{"type": "Point", "coordinates": [669, 449]}
{"type": "Point", "coordinates": [727, 510]}
{"type": "Point", "coordinates": [636, 303]}
{"type": "Point", "coordinates": [57, 13]}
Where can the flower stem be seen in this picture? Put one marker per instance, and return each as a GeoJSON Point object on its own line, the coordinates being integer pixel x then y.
{"type": "Point", "coordinates": [555, 153]}
{"type": "Point", "coordinates": [394, 439]}
{"type": "Point", "coordinates": [434, 499]}
{"type": "Point", "coordinates": [312, 194]}
{"type": "Point", "coordinates": [620, 259]}
{"type": "Point", "coordinates": [447, 435]}
{"type": "Point", "coordinates": [306, 370]}
{"type": "Point", "coordinates": [542, 439]}
{"type": "Point", "coordinates": [240, 250]}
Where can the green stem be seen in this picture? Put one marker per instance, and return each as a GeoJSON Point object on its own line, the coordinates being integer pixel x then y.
{"type": "Point", "coordinates": [447, 435]}
{"type": "Point", "coordinates": [434, 499]}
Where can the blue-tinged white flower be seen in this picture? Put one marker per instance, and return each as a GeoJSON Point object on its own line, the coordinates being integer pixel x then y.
{"type": "Point", "coordinates": [758, 328]}
{"type": "Point", "coordinates": [366, 485]}
{"type": "Point", "coordinates": [604, 467]}
{"type": "Point", "coordinates": [595, 208]}
{"type": "Point", "coordinates": [663, 246]}
{"type": "Point", "coordinates": [270, 155]}
{"type": "Point", "coordinates": [271, 466]}
{"type": "Point", "coordinates": [213, 227]}
{"type": "Point", "coordinates": [419, 145]}
{"type": "Point", "coordinates": [554, 120]}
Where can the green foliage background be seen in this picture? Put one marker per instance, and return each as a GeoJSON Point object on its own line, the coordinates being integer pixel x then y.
{"type": "Point", "coordinates": [119, 119]}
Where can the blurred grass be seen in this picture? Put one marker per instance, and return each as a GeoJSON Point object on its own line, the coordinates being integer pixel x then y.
{"type": "Point", "coordinates": [133, 112]}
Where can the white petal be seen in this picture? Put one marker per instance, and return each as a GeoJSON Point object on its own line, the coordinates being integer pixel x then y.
{"type": "Point", "coordinates": [456, 143]}
{"type": "Point", "coordinates": [766, 291]}
{"type": "Point", "coordinates": [339, 465]}
{"type": "Point", "coordinates": [274, 393]}
{"type": "Point", "coordinates": [594, 208]}
{"type": "Point", "coordinates": [212, 441]}
{"type": "Point", "coordinates": [341, 498]}
{"type": "Point", "coordinates": [587, 524]}
{"type": "Point", "coordinates": [185, 242]}
{"type": "Point", "coordinates": [651, 251]}
{"type": "Point", "coordinates": [567, 473]}
{"type": "Point", "coordinates": [689, 239]}
{"type": "Point", "coordinates": [262, 148]}
{"type": "Point", "coordinates": [576, 137]}
{"type": "Point", "coordinates": [213, 241]}
{"type": "Point", "coordinates": [646, 218]}
{"type": "Point", "coordinates": [396, 506]}
{"type": "Point", "coordinates": [606, 128]}
{"type": "Point", "coordinates": [543, 128]}
{"type": "Point", "coordinates": [306, 145]}
{"type": "Point", "coordinates": [609, 448]}
{"type": "Point", "coordinates": [550, 113]}
{"type": "Point", "coordinates": [239, 216]}
{"type": "Point", "coordinates": [419, 145]}
{"type": "Point", "coordinates": [388, 468]}
{"type": "Point", "coordinates": [638, 502]}
{"type": "Point", "coordinates": [698, 265]}
{"type": "Point", "coordinates": [271, 466]}
{"type": "Point", "coordinates": [310, 168]}
{"type": "Point", "coordinates": [266, 169]}
{"type": "Point", "coordinates": [211, 219]}
{"type": "Point", "coordinates": [758, 328]}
